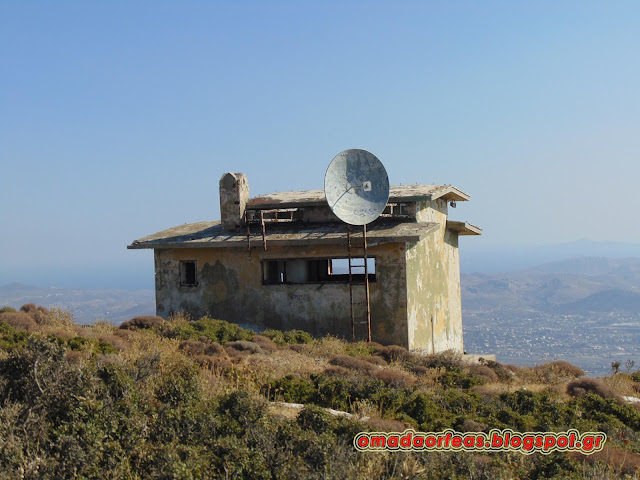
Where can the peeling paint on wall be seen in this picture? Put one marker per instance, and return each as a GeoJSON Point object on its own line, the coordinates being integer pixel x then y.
{"type": "Point", "coordinates": [230, 288]}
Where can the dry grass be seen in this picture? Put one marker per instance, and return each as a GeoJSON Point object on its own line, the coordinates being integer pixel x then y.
{"type": "Point", "coordinates": [616, 460]}
{"type": "Point", "coordinates": [624, 384]}
{"type": "Point", "coordinates": [104, 327]}
{"type": "Point", "coordinates": [117, 342]}
{"type": "Point", "coordinates": [300, 348]}
{"type": "Point", "coordinates": [327, 347]}
{"type": "Point", "coordinates": [284, 362]}
{"type": "Point", "coordinates": [470, 425]}
{"type": "Point", "coordinates": [384, 425]}
{"type": "Point", "coordinates": [267, 345]}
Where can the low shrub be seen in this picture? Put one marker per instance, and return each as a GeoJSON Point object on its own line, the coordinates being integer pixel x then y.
{"type": "Point", "coordinates": [213, 362]}
{"type": "Point", "coordinates": [375, 360]}
{"type": "Point", "coordinates": [265, 343]}
{"type": "Point", "coordinates": [7, 310]}
{"type": "Point", "coordinates": [419, 370]}
{"type": "Point", "coordinates": [393, 353]}
{"type": "Point", "coordinates": [579, 388]}
{"type": "Point", "coordinates": [244, 346]}
{"type": "Point", "coordinates": [484, 372]}
{"type": "Point", "coordinates": [290, 337]}
{"type": "Point", "coordinates": [361, 349]}
{"type": "Point", "coordinates": [447, 359]}
{"type": "Point", "coordinates": [142, 322]}
{"type": "Point", "coordinates": [299, 348]}
{"type": "Point", "coordinates": [457, 378]}
{"type": "Point", "coordinates": [316, 419]}
{"type": "Point", "coordinates": [10, 338]}
{"type": "Point", "coordinates": [195, 347]}
{"type": "Point", "coordinates": [205, 328]}
{"type": "Point", "coordinates": [504, 372]}
{"type": "Point", "coordinates": [614, 458]}
{"type": "Point", "coordinates": [386, 425]}
{"type": "Point", "coordinates": [562, 368]}
{"type": "Point", "coordinates": [337, 371]}
{"type": "Point", "coordinates": [471, 425]}
{"type": "Point", "coordinates": [19, 320]}
{"type": "Point", "coordinates": [32, 308]}
{"type": "Point", "coordinates": [395, 378]}
{"type": "Point", "coordinates": [117, 342]}
{"type": "Point", "coordinates": [353, 363]}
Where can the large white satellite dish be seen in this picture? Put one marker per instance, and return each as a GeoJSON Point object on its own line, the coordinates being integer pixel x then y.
{"type": "Point", "coordinates": [356, 186]}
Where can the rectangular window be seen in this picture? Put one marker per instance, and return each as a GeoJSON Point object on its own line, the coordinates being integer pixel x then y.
{"type": "Point", "coordinates": [188, 273]}
{"type": "Point", "coordinates": [299, 270]}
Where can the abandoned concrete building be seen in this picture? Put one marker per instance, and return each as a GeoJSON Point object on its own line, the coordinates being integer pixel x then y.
{"type": "Point", "coordinates": [278, 261]}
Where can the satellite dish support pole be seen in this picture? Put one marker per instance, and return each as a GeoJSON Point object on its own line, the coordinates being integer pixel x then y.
{"type": "Point", "coordinates": [366, 283]}
{"type": "Point", "coordinates": [353, 326]}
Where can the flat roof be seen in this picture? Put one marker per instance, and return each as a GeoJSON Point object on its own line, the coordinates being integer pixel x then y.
{"type": "Point", "coordinates": [314, 198]}
{"type": "Point", "coordinates": [211, 234]}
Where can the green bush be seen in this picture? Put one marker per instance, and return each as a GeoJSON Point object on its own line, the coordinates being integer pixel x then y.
{"type": "Point", "coordinates": [206, 328]}
{"type": "Point", "coordinates": [11, 338]}
{"type": "Point", "coordinates": [7, 310]}
{"type": "Point", "coordinates": [290, 337]}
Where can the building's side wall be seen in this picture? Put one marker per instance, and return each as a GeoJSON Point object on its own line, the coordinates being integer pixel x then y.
{"type": "Point", "coordinates": [433, 285]}
{"type": "Point", "coordinates": [230, 287]}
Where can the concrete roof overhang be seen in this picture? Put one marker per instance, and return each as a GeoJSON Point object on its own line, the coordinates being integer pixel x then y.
{"type": "Point", "coordinates": [211, 234]}
{"type": "Point", "coordinates": [463, 228]}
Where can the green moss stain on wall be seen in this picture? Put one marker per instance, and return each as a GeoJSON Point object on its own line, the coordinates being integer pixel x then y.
{"type": "Point", "coordinates": [230, 288]}
{"type": "Point", "coordinates": [433, 285]}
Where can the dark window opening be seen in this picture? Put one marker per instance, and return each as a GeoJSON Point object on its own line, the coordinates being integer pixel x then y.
{"type": "Point", "coordinates": [317, 270]}
{"type": "Point", "coordinates": [188, 273]}
{"type": "Point", "coordinates": [397, 210]}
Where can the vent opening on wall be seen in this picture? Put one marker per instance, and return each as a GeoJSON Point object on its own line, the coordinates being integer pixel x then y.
{"type": "Point", "coordinates": [188, 273]}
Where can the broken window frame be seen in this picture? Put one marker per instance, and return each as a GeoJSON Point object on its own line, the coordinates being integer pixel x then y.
{"type": "Point", "coordinates": [185, 274]}
{"type": "Point", "coordinates": [397, 210]}
{"type": "Point", "coordinates": [315, 265]}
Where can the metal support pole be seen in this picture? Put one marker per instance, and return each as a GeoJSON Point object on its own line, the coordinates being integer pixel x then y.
{"type": "Point", "coordinates": [246, 221]}
{"type": "Point", "coordinates": [353, 327]}
{"type": "Point", "coordinates": [264, 233]}
{"type": "Point", "coordinates": [366, 283]}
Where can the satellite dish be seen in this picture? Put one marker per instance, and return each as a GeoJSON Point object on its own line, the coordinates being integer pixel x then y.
{"type": "Point", "coordinates": [356, 186]}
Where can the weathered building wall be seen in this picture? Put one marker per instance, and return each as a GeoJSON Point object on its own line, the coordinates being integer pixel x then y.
{"type": "Point", "coordinates": [230, 288]}
{"type": "Point", "coordinates": [433, 285]}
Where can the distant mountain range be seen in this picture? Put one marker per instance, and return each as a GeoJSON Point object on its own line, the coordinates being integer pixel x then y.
{"type": "Point", "coordinates": [576, 286]}
{"type": "Point", "coordinates": [476, 257]}
{"type": "Point", "coordinates": [87, 306]}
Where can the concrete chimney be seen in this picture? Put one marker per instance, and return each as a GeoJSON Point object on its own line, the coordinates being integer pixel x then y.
{"type": "Point", "coordinates": [234, 194]}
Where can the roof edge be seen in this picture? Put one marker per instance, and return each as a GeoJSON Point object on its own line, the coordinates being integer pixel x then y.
{"type": "Point", "coordinates": [463, 228]}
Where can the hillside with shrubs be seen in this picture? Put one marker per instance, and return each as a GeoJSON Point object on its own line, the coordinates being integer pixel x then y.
{"type": "Point", "coordinates": [206, 399]}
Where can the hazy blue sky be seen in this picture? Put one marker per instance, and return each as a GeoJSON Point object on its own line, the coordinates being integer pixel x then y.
{"type": "Point", "coordinates": [117, 119]}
